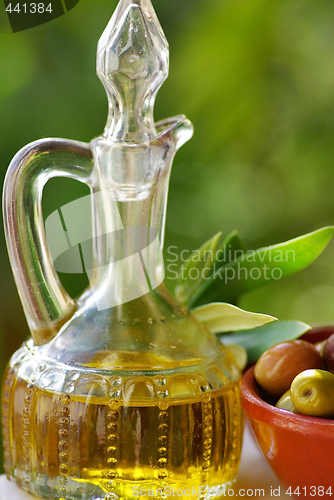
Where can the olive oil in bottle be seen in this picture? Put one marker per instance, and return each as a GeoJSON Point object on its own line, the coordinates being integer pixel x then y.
{"type": "Point", "coordinates": [119, 441]}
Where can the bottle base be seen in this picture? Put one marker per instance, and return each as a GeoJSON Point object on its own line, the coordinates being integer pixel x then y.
{"type": "Point", "coordinates": [46, 489]}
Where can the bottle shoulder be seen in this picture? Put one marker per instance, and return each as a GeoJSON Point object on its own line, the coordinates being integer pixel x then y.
{"type": "Point", "coordinates": [151, 342]}
{"type": "Point", "coordinates": [151, 332]}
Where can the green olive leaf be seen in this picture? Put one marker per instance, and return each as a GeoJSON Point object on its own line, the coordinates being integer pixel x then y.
{"type": "Point", "coordinates": [197, 269]}
{"type": "Point", "coordinates": [260, 267]}
{"type": "Point", "coordinates": [202, 262]}
{"type": "Point", "coordinates": [258, 340]}
{"type": "Point", "coordinates": [222, 317]}
{"type": "Point", "coordinates": [231, 249]}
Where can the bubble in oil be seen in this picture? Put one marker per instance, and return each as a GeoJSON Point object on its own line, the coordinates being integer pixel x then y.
{"type": "Point", "coordinates": [112, 438]}
{"type": "Point", "coordinates": [162, 474]}
{"type": "Point", "coordinates": [116, 381]}
{"type": "Point", "coordinates": [163, 416]}
{"type": "Point", "coordinates": [163, 405]}
{"type": "Point", "coordinates": [110, 496]}
{"type": "Point", "coordinates": [163, 428]}
{"type": "Point", "coordinates": [111, 485]}
{"type": "Point", "coordinates": [160, 381]}
{"type": "Point", "coordinates": [163, 394]}
{"type": "Point", "coordinates": [69, 387]}
{"type": "Point", "coordinates": [111, 474]}
{"type": "Point", "coordinates": [74, 376]}
{"type": "Point", "coordinates": [112, 462]}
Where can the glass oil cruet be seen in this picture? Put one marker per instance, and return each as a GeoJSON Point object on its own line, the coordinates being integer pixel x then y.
{"type": "Point", "coordinates": [121, 393]}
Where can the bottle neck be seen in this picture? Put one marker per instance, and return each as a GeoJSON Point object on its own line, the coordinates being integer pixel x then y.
{"type": "Point", "coordinates": [130, 188]}
{"type": "Point", "coordinates": [129, 185]}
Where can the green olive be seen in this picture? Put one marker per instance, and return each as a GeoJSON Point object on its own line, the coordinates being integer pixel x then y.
{"type": "Point", "coordinates": [312, 393]}
{"type": "Point", "coordinates": [285, 402]}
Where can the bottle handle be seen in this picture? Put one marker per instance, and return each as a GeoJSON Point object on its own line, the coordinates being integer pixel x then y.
{"type": "Point", "coordinates": [46, 304]}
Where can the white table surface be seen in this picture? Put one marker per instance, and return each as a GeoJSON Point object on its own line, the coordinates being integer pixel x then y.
{"type": "Point", "coordinates": [254, 473]}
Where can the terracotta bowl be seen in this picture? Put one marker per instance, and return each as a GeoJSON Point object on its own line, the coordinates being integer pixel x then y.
{"type": "Point", "coordinates": [298, 448]}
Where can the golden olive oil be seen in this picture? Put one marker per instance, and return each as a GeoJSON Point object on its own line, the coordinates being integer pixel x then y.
{"type": "Point", "coordinates": [125, 445]}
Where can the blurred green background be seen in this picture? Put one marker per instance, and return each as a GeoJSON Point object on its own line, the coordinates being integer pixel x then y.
{"type": "Point", "coordinates": [256, 78]}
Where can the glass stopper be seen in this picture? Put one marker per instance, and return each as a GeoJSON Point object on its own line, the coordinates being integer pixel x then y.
{"type": "Point", "coordinates": [132, 64]}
